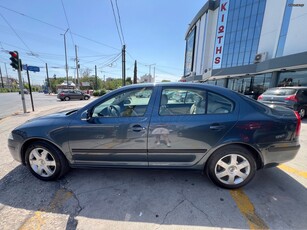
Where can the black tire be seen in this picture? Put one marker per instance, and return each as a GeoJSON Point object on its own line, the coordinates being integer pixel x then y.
{"type": "Point", "coordinates": [66, 98]}
{"type": "Point", "coordinates": [86, 98]}
{"type": "Point", "coordinates": [49, 154]}
{"type": "Point", "coordinates": [224, 165]}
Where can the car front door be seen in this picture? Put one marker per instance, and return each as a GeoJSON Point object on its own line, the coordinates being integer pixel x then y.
{"type": "Point", "coordinates": [116, 132]}
{"type": "Point", "coordinates": [182, 131]}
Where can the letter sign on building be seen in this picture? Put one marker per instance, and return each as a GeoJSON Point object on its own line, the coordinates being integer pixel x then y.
{"type": "Point", "coordinates": [220, 34]}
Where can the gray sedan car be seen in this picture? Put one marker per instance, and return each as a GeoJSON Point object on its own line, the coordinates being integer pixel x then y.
{"type": "Point", "coordinates": [218, 131]}
{"type": "Point", "coordinates": [71, 94]}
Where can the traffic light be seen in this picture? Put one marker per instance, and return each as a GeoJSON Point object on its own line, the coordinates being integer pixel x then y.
{"type": "Point", "coordinates": [15, 59]}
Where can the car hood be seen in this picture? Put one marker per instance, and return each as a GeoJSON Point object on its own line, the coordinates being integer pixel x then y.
{"type": "Point", "coordinates": [53, 119]}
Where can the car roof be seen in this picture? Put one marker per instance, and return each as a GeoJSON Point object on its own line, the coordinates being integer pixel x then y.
{"type": "Point", "coordinates": [291, 87]}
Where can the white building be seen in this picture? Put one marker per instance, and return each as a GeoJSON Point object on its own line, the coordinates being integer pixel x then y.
{"type": "Point", "coordinates": [248, 45]}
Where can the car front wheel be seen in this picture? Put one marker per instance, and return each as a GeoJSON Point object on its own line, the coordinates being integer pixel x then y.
{"type": "Point", "coordinates": [231, 167]}
{"type": "Point", "coordinates": [45, 161]}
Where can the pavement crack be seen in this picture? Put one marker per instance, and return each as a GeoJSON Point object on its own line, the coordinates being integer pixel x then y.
{"type": "Point", "coordinates": [199, 209]}
{"type": "Point", "coordinates": [169, 212]}
{"type": "Point", "coordinates": [72, 222]}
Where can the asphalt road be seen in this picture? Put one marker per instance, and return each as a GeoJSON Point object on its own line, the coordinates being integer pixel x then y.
{"type": "Point", "coordinates": [11, 103]}
{"type": "Point", "coordinates": [147, 199]}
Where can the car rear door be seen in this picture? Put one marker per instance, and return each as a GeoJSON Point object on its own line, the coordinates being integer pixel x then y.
{"type": "Point", "coordinates": [182, 137]}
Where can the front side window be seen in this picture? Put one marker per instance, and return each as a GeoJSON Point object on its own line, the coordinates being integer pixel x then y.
{"type": "Point", "coordinates": [132, 103]}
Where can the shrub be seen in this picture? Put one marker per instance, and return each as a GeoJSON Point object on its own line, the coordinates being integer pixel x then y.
{"type": "Point", "coordinates": [98, 93]}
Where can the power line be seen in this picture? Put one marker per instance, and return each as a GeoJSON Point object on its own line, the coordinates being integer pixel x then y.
{"type": "Point", "coordinates": [115, 19]}
{"type": "Point", "coordinates": [110, 61]}
{"type": "Point", "coordinates": [68, 23]}
{"type": "Point", "coordinates": [120, 24]}
{"type": "Point", "coordinates": [19, 37]}
{"type": "Point", "coordinates": [106, 56]}
{"type": "Point", "coordinates": [59, 28]}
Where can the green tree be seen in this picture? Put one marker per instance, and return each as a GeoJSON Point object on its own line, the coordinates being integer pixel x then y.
{"type": "Point", "coordinates": [113, 84]}
{"type": "Point", "coordinates": [128, 81]}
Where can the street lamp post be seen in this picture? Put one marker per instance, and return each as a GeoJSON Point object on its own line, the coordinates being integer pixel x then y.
{"type": "Point", "coordinates": [66, 66]}
{"type": "Point", "coordinates": [150, 71]}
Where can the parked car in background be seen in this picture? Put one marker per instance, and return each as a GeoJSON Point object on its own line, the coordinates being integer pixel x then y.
{"type": "Point", "coordinates": [67, 95]}
{"type": "Point", "coordinates": [293, 97]}
{"type": "Point", "coordinates": [225, 134]}
{"type": "Point", "coordinates": [25, 91]}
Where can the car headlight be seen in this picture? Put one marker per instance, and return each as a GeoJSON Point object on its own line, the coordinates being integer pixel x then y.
{"type": "Point", "coordinates": [11, 137]}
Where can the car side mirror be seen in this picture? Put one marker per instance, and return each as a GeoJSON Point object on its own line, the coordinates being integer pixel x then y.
{"type": "Point", "coordinates": [85, 116]}
{"type": "Point", "coordinates": [127, 102]}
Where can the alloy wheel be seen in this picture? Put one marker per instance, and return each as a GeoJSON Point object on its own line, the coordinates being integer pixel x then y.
{"type": "Point", "coordinates": [42, 162]}
{"type": "Point", "coordinates": [232, 169]}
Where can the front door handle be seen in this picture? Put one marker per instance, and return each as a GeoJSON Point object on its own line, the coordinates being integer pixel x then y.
{"type": "Point", "coordinates": [137, 128]}
{"type": "Point", "coordinates": [217, 127]}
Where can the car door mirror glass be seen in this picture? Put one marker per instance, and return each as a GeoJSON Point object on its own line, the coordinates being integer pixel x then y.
{"type": "Point", "coordinates": [85, 116]}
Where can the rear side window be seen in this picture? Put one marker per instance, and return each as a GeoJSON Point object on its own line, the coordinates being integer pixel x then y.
{"type": "Point", "coordinates": [280, 92]}
{"type": "Point", "coordinates": [218, 104]}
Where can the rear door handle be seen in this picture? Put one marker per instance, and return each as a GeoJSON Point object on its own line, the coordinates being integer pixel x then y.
{"type": "Point", "coordinates": [137, 128]}
{"type": "Point", "coordinates": [217, 127]}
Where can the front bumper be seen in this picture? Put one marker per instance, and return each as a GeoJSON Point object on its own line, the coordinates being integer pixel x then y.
{"type": "Point", "coordinates": [15, 149]}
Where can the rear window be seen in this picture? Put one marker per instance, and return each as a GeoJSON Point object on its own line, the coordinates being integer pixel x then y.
{"type": "Point", "coordinates": [279, 92]}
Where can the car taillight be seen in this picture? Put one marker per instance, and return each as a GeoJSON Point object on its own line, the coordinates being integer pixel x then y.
{"type": "Point", "coordinates": [260, 97]}
{"type": "Point", "coordinates": [62, 94]}
{"type": "Point", "coordinates": [291, 98]}
{"type": "Point", "coordinates": [298, 126]}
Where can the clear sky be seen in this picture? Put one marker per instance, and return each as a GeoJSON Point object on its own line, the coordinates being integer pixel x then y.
{"type": "Point", "coordinates": [153, 31]}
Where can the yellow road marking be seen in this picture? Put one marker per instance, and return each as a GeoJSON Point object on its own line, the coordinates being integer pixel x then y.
{"type": "Point", "coordinates": [34, 222]}
{"type": "Point", "coordinates": [247, 209]}
{"type": "Point", "coordinates": [293, 171]}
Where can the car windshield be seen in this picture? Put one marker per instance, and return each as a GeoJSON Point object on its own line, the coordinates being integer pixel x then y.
{"type": "Point", "coordinates": [280, 91]}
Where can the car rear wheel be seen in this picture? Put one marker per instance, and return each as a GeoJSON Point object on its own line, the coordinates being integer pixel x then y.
{"type": "Point", "coordinates": [231, 167]}
{"type": "Point", "coordinates": [66, 98]}
{"type": "Point", "coordinates": [45, 161]}
{"type": "Point", "coordinates": [86, 98]}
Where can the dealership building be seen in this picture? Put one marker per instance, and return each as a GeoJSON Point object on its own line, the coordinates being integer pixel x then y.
{"type": "Point", "coordinates": [248, 45]}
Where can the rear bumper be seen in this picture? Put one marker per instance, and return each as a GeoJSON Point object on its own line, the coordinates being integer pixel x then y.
{"type": "Point", "coordinates": [280, 153]}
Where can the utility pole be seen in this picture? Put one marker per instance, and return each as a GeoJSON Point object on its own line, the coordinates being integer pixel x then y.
{"type": "Point", "coordinates": [1, 78]}
{"type": "Point", "coordinates": [154, 74]}
{"type": "Point", "coordinates": [7, 76]}
{"type": "Point", "coordinates": [30, 88]}
{"type": "Point", "coordinates": [48, 82]}
{"type": "Point", "coordinates": [135, 77]}
{"type": "Point", "coordinates": [77, 67]}
{"type": "Point", "coordinates": [96, 81]}
{"type": "Point", "coordinates": [150, 69]}
{"type": "Point", "coordinates": [21, 88]}
{"type": "Point", "coordinates": [124, 65]}
{"type": "Point", "coordinates": [66, 66]}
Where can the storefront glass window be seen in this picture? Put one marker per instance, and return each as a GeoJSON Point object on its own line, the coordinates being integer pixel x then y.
{"type": "Point", "coordinates": [284, 29]}
{"type": "Point", "coordinates": [295, 78]}
{"type": "Point", "coordinates": [244, 24]}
